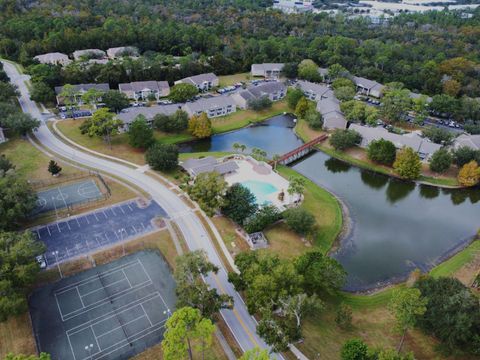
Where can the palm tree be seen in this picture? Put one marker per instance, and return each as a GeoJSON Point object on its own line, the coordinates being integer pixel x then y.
{"type": "Point", "coordinates": [275, 159]}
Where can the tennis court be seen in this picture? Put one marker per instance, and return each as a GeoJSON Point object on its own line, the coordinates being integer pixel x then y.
{"type": "Point", "coordinates": [110, 312]}
{"type": "Point", "coordinates": [63, 196]}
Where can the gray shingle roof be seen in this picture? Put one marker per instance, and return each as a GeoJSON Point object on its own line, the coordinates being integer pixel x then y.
{"type": "Point", "coordinates": [318, 89]}
{"type": "Point", "coordinates": [267, 67]}
{"type": "Point", "coordinates": [366, 83]}
{"type": "Point", "coordinates": [200, 79]}
{"type": "Point", "coordinates": [208, 164]}
{"type": "Point", "coordinates": [149, 112]}
{"type": "Point", "coordinates": [328, 105]}
{"type": "Point", "coordinates": [472, 141]}
{"type": "Point", "coordinates": [143, 85]}
{"type": "Point", "coordinates": [84, 87]}
{"type": "Point", "coordinates": [255, 92]}
{"type": "Point", "coordinates": [205, 104]}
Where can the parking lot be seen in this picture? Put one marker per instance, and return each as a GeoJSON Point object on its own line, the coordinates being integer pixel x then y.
{"type": "Point", "coordinates": [83, 234]}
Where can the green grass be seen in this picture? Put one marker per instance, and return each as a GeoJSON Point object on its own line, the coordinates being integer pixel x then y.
{"type": "Point", "coordinates": [216, 154]}
{"type": "Point", "coordinates": [456, 262]}
{"type": "Point", "coordinates": [228, 80]}
{"type": "Point", "coordinates": [324, 206]}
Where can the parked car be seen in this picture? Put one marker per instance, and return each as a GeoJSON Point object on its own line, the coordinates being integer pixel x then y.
{"type": "Point", "coordinates": [41, 261]}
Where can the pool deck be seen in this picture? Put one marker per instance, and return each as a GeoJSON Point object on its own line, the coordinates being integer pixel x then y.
{"type": "Point", "coordinates": [251, 170]}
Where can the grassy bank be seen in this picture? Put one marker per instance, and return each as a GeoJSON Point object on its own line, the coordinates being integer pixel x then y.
{"type": "Point", "coordinates": [228, 80]}
{"type": "Point", "coordinates": [360, 158]}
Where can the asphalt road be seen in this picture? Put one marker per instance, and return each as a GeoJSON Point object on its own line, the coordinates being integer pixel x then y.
{"type": "Point", "coordinates": [238, 319]}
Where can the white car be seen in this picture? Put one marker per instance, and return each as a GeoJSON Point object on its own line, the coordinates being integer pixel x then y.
{"type": "Point", "coordinates": [41, 261]}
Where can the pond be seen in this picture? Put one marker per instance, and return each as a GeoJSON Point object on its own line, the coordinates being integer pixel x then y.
{"type": "Point", "coordinates": [396, 226]}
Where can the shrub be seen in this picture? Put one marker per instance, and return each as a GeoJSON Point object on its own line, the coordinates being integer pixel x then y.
{"type": "Point", "coordinates": [200, 126]}
{"type": "Point", "coordinates": [261, 103]}
{"type": "Point", "coordinates": [469, 174]}
{"type": "Point", "coordinates": [299, 220]}
{"type": "Point", "coordinates": [293, 96]}
{"type": "Point", "coordinates": [162, 156]}
{"type": "Point", "coordinates": [464, 155]}
{"type": "Point", "coordinates": [354, 349]}
{"type": "Point", "coordinates": [441, 161]}
{"type": "Point", "coordinates": [265, 216]}
{"type": "Point", "coordinates": [438, 135]}
{"type": "Point", "coordinates": [183, 92]}
{"type": "Point", "coordinates": [343, 316]}
{"type": "Point", "coordinates": [140, 135]}
{"type": "Point", "coordinates": [239, 203]}
{"type": "Point", "coordinates": [314, 119]}
{"type": "Point", "coordinates": [382, 151]}
{"type": "Point", "coordinates": [174, 123]}
{"type": "Point", "coordinates": [344, 139]}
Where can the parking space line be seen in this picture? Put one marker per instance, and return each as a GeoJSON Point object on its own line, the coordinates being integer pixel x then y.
{"type": "Point", "coordinates": [58, 226]}
{"type": "Point", "coordinates": [95, 214]}
{"type": "Point", "coordinates": [38, 234]}
{"type": "Point", "coordinates": [69, 228]}
{"type": "Point", "coordinates": [130, 207]}
{"type": "Point", "coordinates": [78, 222]}
{"type": "Point", "coordinates": [86, 218]}
{"type": "Point", "coordinates": [143, 226]}
{"type": "Point", "coordinates": [118, 239]}
{"type": "Point", "coordinates": [121, 208]}
{"type": "Point", "coordinates": [49, 233]}
{"type": "Point", "coordinates": [133, 227]}
{"type": "Point", "coordinates": [106, 236]}
{"type": "Point", "coordinates": [113, 211]}
{"type": "Point", "coordinates": [103, 211]}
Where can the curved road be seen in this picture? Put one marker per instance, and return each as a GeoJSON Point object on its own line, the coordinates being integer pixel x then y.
{"type": "Point", "coordinates": [238, 319]}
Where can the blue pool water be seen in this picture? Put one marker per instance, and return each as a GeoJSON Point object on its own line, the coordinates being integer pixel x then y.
{"type": "Point", "coordinates": [260, 189]}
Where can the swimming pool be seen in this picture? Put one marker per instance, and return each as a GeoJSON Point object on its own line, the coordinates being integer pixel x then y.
{"type": "Point", "coordinates": [260, 189]}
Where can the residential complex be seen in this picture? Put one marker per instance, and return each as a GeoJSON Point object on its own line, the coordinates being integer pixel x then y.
{"type": "Point", "coordinates": [122, 51]}
{"type": "Point", "coordinates": [368, 87]}
{"type": "Point", "coordinates": [267, 70]}
{"type": "Point", "coordinates": [293, 6]}
{"type": "Point", "coordinates": [143, 90]}
{"type": "Point", "coordinates": [202, 82]}
{"type": "Point", "coordinates": [332, 115]}
{"type": "Point", "coordinates": [127, 116]}
{"type": "Point", "coordinates": [88, 54]}
{"type": "Point", "coordinates": [314, 91]}
{"type": "Point", "coordinates": [55, 58]}
{"type": "Point", "coordinates": [274, 90]}
{"type": "Point", "coordinates": [213, 106]}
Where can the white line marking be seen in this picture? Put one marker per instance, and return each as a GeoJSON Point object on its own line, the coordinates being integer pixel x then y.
{"type": "Point", "coordinates": [69, 228]}
{"type": "Point", "coordinates": [106, 217]}
{"type": "Point", "coordinates": [121, 208]}
{"type": "Point", "coordinates": [58, 226]}
{"type": "Point", "coordinates": [80, 297]}
{"type": "Point", "coordinates": [96, 338]}
{"type": "Point", "coordinates": [38, 234]}
{"type": "Point", "coordinates": [133, 227]}
{"type": "Point", "coordinates": [94, 214]}
{"type": "Point", "coordinates": [148, 317]}
{"type": "Point", "coordinates": [126, 277]}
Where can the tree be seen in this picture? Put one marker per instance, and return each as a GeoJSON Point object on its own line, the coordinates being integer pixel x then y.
{"type": "Point", "coordinates": [200, 126]}
{"type": "Point", "coordinates": [321, 274]}
{"type": "Point", "coordinates": [17, 200]}
{"type": "Point", "coordinates": [342, 139]}
{"type": "Point", "coordinates": [140, 134]}
{"type": "Point", "coordinates": [308, 70]}
{"type": "Point", "coordinates": [300, 220]}
{"type": "Point", "coordinates": [464, 155]}
{"type": "Point", "coordinates": [19, 123]}
{"type": "Point", "coordinates": [440, 161]}
{"type": "Point", "coordinates": [5, 165]}
{"type": "Point", "coordinates": [92, 96]}
{"type": "Point", "coordinates": [438, 135]}
{"type": "Point", "coordinates": [343, 82]}
{"type": "Point", "coordinates": [336, 70]}
{"type": "Point", "coordinates": [293, 97]}
{"type": "Point", "coordinates": [102, 124]}
{"type": "Point", "coordinates": [162, 157]}
{"type": "Point", "coordinates": [452, 87]}
{"type": "Point", "coordinates": [178, 121]}
{"type": "Point", "coordinates": [407, 304]}
{"type": "Point", "coordinates": [444, 104]}
{"type": "Point", "coordinates": [407, 164]}
{"type": "Point", "coordinates": [115, 100]}
{"type": "Point", "coordinates": [191, 289]}
{"type": "Point", "coordinates": [208, 190]}
{"type": "Point", "coordinates": [239, 147]}
{"type": "Point", "coordinates": [240, 203]}
{"type": "Point", "coordinates": [186, 333]}
{"type": "Point", "coordinates": [354, 349]}
{"type": "Point", "coordinates": [296, 307]}
{"type": "Point", "coordinates": [54, 168]}
{"type": "Point", "coordinates": [68, 95]}
{"type": "Point", "coordinates": [18, 271]}
{"type": "Point", "coordinates": [469, 174]}
{"type": "Point", "coordinates": [344, 93]}
{"type": "Point", "coordinates": [395, 104]}
{"type": "Point", "coordinates": [8, 92]}
{"type": "Point", "coordinates": [264, 217]}
{"type": "Point", "coordinates": [182, 92]}
{"type": "Point", "coordinates": [261, 103]}
{"type": "Point", "coordinates": [302, 107]}
{"type": "Point", "coordinates": [255, 354]}
{"type": "Point", "coordinates": [343, 316]}
{"type": "Point", "coordinates": [42, 356]}
{"type": "Point", "coordinates": [382, 151]}
{"type": "Point", "coordinates": [42, 93]}
{"type": "Point", "coordinates": [259, 154]}
{"type": "Point", "coordinates": [296, 185]}
{"type": "Point", "coordinates": [314, 119]}
{"type": "Point", "coordinates": [290, 70]}
{"type": "Point", "coordinates": [452, 315]}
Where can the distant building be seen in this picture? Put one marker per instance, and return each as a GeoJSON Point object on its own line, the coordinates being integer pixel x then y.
{"type": "Point", "coordinates": [471, 141]}
{"type": "Point", "coordinates": [2, 136]}
{"type": "Point", "coordinates": [424, 147]}
{"type": "Point", "coordinates": [293, 6]}
{"type": "Point", "coordinates": [314, 91]}
{"type": "Point", "coordinates": [80, 89]}
{"type": "Point", "coordinates": [141, 90]}
{"type": "Point", "coordinates": [196, 167]}
{"type": "Point", "coordinates": [122, 51]}
{"type": "Point", "coordinates": [202, 82]}
{"type": "Point", "coordinates": [333, 117]}
{"type": "Point", "coordinates": [214, 106]}
{"type": "Point", "coordinates": [268, 70]}
{"type": "Point", "coordinates": [127, 116]}
{"type": "Point", "coordinates": [324, 74]}
{"type": "Point", "coordinates": [55, 58]}
{"type": "Point", "coordinates": [368, 87]}
{"type": "Point", "coordinates": [89, 54]}
{"type": "Point", "coordinates": [274, 90]}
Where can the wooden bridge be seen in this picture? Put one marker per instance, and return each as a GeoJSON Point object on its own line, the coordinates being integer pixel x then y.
{"type": "Point", "coordinates": [299, 152]}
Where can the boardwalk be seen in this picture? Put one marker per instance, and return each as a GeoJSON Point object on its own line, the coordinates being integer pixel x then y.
{"type": "Point", "coordinates": [300, 152]}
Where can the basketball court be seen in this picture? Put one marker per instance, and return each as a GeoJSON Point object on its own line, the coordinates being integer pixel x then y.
{"type": "Point", "coordinates": [110, 312]}
{"type": "Point", "coordinates": [64, 196]}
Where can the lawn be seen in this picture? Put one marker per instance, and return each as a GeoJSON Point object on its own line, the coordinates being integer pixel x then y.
{"type": "Point", "coordinates": [284, 242]}
{"type": "Point", "coordinates": [16, 336]}
{"type": "Point", "coordinates": [30, 162]}
{"type": "Point", "coordinates": [228, 80]}
{"type": "Point", "coordinates": [324, 206]}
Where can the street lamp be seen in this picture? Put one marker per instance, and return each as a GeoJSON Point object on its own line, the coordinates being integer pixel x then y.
{"type": "Point", "coordinates": [89, 348]}
{"type": "Point", "coordinates": [55, 253]}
